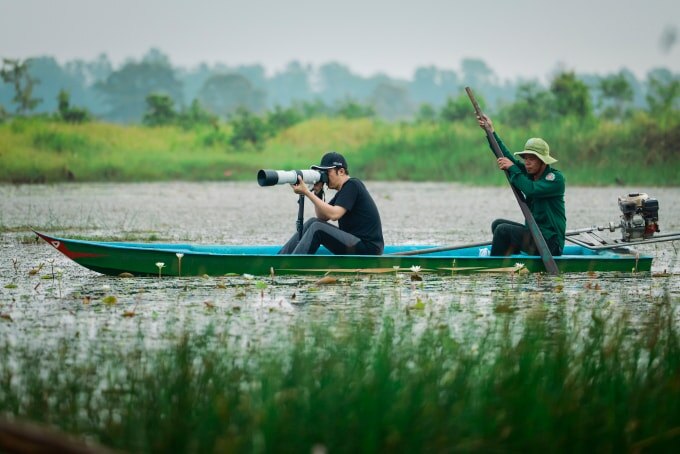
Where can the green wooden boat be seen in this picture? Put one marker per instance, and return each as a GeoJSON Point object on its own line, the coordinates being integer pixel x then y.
{"type": "Point", "coordinates": [147, 259]}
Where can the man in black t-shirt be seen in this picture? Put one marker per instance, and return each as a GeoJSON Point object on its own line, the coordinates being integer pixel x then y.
{"type": "Point", "coordinates": [359, 231]}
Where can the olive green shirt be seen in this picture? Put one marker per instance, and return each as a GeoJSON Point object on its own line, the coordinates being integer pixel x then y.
{"type": "Point", "coordinates": [544, 197]}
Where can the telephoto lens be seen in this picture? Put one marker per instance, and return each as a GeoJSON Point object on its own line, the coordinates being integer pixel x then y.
{"type": "Point", "coordinates": [267, 177]}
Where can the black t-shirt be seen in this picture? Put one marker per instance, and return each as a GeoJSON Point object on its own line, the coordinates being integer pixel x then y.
{"type": "Point", "coordinates": [362, 218]}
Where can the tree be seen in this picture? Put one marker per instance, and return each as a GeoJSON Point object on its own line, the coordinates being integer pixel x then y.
{"type": "Point", "coordinates": [391, 101]}
{"type": "Point", "coordinates": [290, 85]}
{"type": "Point", "coordinates": [70, 114]}
{"type": "Point", "coordinates": [425, 87]}
{"type": "Point", "coordinates": [197, 115]}
{"type": "Point", "coordinates": [280, 118]}
{"type": "Point", "coordinates": [126, 90]}
{"type": "Point", "coordinates": [79, 77]}
{"type": "Point", "coordinates": [572, 97]}
{"type": "Point", "coordinates": [663, 92]}
{"type": "Point", "coordinates": [337, 82]}
{"type": "Point", "coordinates": [16, 73]}
{"type": "Point", "coordinates": [225, 94]}
{"type": "Point", "coordinates": [476, 73]}
{"type": "Point", "coordinates": [156, 56]}
{"type": "Point", "coordinates": [616, 95]}
{"type": "Point", "coordinates": [457, 109]}
{"type": "Point", "coordinates": [53, 79]}
{"type": "Point", "coordinates": [90, 72]}
{"type": "Point", "coordinates": [532, 103]}
{"type": "Point", "coordinates": [256, 75]}
{"type": "Point", "coordinates": [349, 108]}
{"type": "Point", "coordinates": [160, 110]}
{"type": "Point", "coordinates": [247, 129]}
{"type": "Point", "coordinates": [315, 108]}
{"type": "Point", "coordinates": [426, 114]}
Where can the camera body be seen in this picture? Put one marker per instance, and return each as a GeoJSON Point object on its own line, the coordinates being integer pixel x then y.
{"type": "Point", "coordinates": [267, 177]}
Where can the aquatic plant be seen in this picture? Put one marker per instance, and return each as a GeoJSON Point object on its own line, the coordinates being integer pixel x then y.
{"type": "Point", "coordinates": [179, 262]}
{"type": "Point", "coordinates": [547, 379]}
{"type": "Point", "coordinates": [160, 266]}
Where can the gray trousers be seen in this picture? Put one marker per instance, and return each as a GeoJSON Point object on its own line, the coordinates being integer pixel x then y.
{"type": "Point", "coordinates": [315, 233]}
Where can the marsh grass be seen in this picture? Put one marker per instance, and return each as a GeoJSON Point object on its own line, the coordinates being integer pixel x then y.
{"type": "Point", "coordinates": [550, 379]}
{"type": "Point", "coordinates": [637, 151]}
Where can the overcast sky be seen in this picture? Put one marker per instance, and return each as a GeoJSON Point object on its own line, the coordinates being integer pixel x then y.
{"type": "Point", "coordinates": [527, 38]}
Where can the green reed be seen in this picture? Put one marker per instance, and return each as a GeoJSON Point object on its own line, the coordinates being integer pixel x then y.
{"type": "Point", "coordinates": [638, 150]}
{"type": "Point", "coordinates": [547, 379]}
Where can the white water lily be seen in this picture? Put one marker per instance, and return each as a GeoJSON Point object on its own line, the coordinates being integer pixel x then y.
{"type": "Point", "coordinates": [415, 269]}
{"type": "Point", "coordinates": [179, 262]}
{"type": "Point", "coordinates": [519, 266]}
{"type": "Point", "coordinates": [160, 264]}
{"type": "Point", "coordinates": [396, 271]}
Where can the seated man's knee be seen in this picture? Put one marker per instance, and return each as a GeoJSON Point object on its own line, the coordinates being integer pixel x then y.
{"type": "Point", "coordinates": [316, 226]}
{"type": "Point", "coordinates": [310, 221]}
{"type": "Point", "coordinates": [495, 224]}
{"type": "Point", "coordinates": [502, 230]}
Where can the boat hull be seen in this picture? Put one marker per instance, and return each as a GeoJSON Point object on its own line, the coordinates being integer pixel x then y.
{"type": "Point", "coordinates": [143, 259]}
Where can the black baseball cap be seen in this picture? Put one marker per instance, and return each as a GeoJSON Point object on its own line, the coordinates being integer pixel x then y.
{"type": "Point", "coordinates": [331, 160]}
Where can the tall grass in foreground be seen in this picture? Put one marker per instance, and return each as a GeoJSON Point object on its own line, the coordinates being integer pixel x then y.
{"type": "Point", "coordinates": [544, 381]}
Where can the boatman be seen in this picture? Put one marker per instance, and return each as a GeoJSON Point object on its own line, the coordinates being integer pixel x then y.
{"type": "Point", "coordinates": [359, 228]}
{"type": "Point", "coordinates": [543, 188]}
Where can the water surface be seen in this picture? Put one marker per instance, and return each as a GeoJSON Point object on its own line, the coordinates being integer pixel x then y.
{"type": "Point", "coordinates": [62, 300]}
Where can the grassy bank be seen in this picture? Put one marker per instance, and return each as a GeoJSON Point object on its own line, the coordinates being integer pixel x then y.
{"type": "Point", "coordinates": [542, 381]}
{"type": "Point", "coordinates": [636, 152]}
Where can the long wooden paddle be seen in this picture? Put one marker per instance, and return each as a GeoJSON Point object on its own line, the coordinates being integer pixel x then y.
{"type": "Point", "coordinates": [535, 231]}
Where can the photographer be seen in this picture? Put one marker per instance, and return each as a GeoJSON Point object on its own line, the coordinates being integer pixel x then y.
{"type": "Point", "coordinates": [360, 229]}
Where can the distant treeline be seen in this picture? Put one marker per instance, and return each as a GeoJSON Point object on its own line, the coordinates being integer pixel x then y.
{"type": "Point", "coordinates": [125, 94]}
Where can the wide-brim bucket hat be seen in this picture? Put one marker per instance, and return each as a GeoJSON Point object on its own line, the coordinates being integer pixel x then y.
{"type": "Point", "coordinates": [539, 148]}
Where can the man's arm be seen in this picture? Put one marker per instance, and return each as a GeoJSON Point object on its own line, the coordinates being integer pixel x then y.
{"type": "Point", "coordinates": [486, 123]}
{"type": "Point", "coordinates": [507, 152]}
{"type": "Point", "coordinates": [324, 211]}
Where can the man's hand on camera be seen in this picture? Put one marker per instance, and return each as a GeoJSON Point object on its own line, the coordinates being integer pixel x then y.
{"type": "Point", "coordinates": [318, 189]}
{"type": "Point", "coordinates": [300, 188]}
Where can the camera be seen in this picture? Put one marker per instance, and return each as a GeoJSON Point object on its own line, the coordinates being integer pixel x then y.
{"type": "Point", "coordinates": [267, 177]}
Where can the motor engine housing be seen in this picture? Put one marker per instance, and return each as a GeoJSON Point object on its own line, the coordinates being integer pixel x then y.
{"type": "Point", "coordinates": [640, 216]}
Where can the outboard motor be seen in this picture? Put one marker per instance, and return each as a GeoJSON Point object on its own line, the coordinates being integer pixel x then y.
{"type": "Point", "coordinates": [639, 218]}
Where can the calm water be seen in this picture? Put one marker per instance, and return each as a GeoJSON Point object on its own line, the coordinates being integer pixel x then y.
{"type": "Point", "coordinates": [62, 300]}
{"type": "Point", "coordinates": [244, 213]}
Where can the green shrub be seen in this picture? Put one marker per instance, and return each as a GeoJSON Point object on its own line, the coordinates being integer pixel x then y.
{"type": "Point", "coordinates": [59, 141]}
{"type": "Point", "coordinates": [248, 129]}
